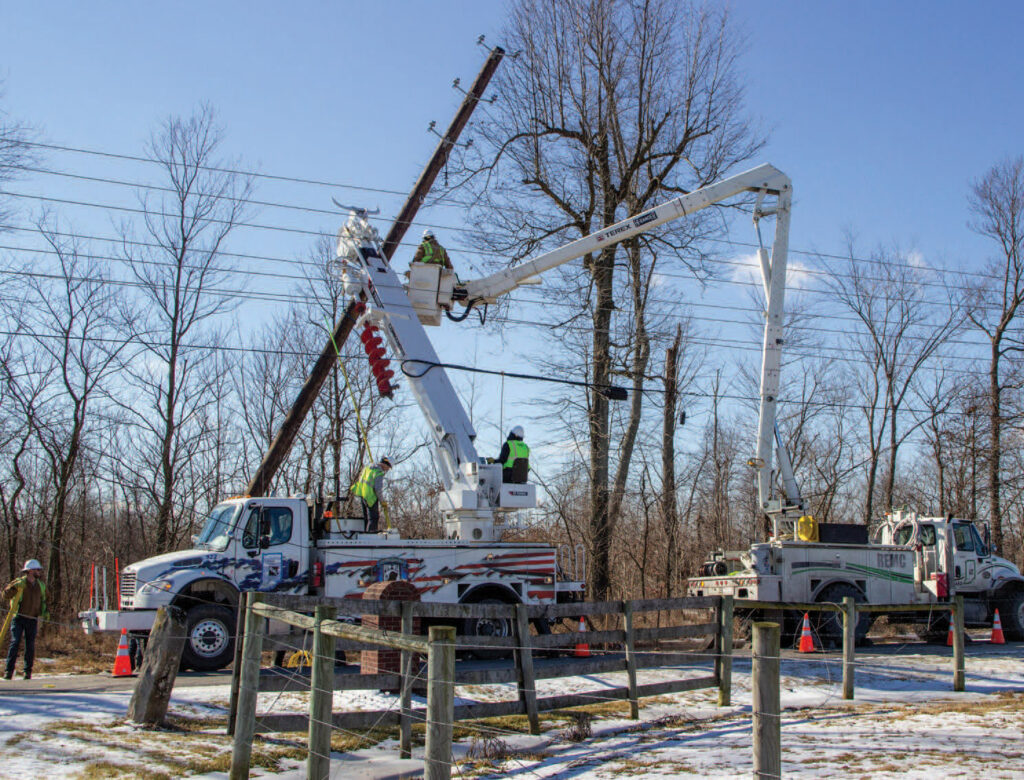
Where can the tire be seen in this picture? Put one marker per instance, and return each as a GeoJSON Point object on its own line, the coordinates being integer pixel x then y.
{"type": "Point", "coordinates": [209, 638]}
{"type": "Point", "coordinates": [1013, 616]}
{"type": "Point", "coordinates": [489, 627]}
{"type": "Point", "coordinates": [829, 624]}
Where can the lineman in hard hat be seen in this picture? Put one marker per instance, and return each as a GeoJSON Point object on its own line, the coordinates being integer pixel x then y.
{"type": "Point", "coordinates": [368, 488]}
{"type": "Point", "coordinates": [431, 251]}
{"type": "Point", "coordinates": [26, 597]}
{"type": "Point", "coordinates": [514, 458]}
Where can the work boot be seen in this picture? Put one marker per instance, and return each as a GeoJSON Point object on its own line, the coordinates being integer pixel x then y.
{"type": "Point", "coordinates": [28, 674]}
{"type": "Point", "coordinates": [9, 674]}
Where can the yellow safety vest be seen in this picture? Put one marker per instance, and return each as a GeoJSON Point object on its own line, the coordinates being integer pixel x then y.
{"type": "Point", "coordinates": [364, 485]}
{"type": "Point", "coordinates": [432, 255]}
{"type": "Point", "coordinates": [516, 450]}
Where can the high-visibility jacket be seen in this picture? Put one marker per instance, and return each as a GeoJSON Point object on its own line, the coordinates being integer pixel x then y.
{"type": "Point", "coordinates": [364, 487]}
{"type": "Point", "coordinates": [431, 252]}
{"type": "Point", "coordinates": [18, 586]}
{"type": "Point", "coordinates": [516, 449]}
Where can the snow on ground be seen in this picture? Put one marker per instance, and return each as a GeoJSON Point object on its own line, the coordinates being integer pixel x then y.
{"type": "Point", "coordinates": [905, 722]}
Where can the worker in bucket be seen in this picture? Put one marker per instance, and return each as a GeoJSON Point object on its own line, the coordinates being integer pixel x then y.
{"type": "Point", "coordinates": [368, 488]}
{"type": "Point", "coordinates": [431, 251]}
{"type": "Point", "coordinates": [514, 458]}
{"type": "Point", "coordinates": [26, 600]}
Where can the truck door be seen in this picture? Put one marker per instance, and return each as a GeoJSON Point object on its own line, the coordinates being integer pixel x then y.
{"type": "Point", "coordinates": [965, 556]}
{"type": "Point", "coordinates": [271, 557]}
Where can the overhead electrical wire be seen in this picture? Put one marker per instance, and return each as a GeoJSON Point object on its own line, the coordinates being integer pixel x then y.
{"type": "Point", "coordinates": [271, 204]}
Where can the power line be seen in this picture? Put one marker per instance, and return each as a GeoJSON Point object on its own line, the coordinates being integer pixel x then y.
{"type": "Point", "coordinates": [300, 180]}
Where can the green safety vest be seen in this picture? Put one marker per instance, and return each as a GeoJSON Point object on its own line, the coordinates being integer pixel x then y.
{"type": "Point", "coordinates": [364, 485]}
{"type": "Point", "coordinates": [432, 255]}
{"type": "Point", "coordinates": [516, 450]}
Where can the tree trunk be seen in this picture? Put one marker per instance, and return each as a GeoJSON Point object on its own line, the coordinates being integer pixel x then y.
{"type": "Point", "coordinates": [994, 456]}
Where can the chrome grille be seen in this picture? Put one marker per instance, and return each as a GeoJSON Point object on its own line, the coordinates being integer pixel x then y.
{"type": "Point", "coordinates": [127, 589]}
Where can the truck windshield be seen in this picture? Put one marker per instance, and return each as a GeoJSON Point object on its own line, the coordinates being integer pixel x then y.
{"type": "Point", "coordinates": [216, 532]}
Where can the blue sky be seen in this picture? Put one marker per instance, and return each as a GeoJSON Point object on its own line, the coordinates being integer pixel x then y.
{"type": "Point", "coordinates": [881, 113]}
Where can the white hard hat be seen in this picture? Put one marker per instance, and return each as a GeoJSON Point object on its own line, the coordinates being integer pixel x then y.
{"type": "Point", "coordinates": [428, 233]}
{"type": "Point", "coordinates": [517, 432]}
{"type": "Point", "coordinates": [31, 564]}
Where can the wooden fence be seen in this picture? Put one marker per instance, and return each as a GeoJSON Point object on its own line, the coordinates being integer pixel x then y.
{"type": "Point", "coordinates": [849, 610]}
{"type": "Point", "coordinates": [525, 670]}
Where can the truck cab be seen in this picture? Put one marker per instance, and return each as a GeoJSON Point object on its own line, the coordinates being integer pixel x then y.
{"type": "Point", "coordinates": [246, 544]}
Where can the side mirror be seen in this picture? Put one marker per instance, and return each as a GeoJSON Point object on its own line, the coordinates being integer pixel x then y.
{"type": "Point", "coordinates": [988, 540]}
{"type": "Point", "coordinates": [264, 523]}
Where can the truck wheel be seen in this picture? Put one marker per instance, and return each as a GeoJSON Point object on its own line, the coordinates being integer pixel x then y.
{"type": "Point", "coordinates": [489, 627]}
{"type": "Point", "coordinates": [829, 624]}
{"type": "Point", "coordinates": [1013, 617]}
{"type": "Point", "coordinates": [210, 638]}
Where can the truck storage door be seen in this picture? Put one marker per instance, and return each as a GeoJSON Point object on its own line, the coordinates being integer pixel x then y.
{"type": "Point", "coordinates": [269, 559]}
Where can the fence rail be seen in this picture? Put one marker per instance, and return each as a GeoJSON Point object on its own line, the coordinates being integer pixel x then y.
{"type": "Point", "coordinates": [849, 609]}
{"type": "Point", "coordinates": [527, 667]}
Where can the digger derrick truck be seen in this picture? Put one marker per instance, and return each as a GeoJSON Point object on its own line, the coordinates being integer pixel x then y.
{"type": "Point", "coordinates": [295, 545]}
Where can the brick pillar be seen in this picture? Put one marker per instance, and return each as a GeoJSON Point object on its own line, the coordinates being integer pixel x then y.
{"type": "Point", "coordinates": [387, 660]}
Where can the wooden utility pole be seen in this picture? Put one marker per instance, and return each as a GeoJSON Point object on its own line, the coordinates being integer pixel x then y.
{"type": "Point", "coordinates": [282, 443]}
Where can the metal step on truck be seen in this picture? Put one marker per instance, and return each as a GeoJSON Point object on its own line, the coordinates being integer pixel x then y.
{"type": "Point", "coordinates": [260, 543]}
{"type": "Point", "coordinates": [908, 559]}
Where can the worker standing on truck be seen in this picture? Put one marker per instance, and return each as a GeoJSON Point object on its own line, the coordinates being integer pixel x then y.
{"type": "Point", "coordinates": [27, 599]}
{"type": "Point", "coordinates": [514, 458]}
{"type": "Point", "coordinates": [431, 251]}
{"type": "Point", "coordinates": [369, 487]}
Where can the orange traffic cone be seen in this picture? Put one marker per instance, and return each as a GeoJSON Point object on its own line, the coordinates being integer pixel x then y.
{"type": "Point", "coordinates": [122, 664]}
{"type": "Point", "coordinates": [806, 641]}
{"type": "Point", "coordinates": [997, 631]}
{"type": "Point", "coordinates": [582, 648]}
{"type": "Point", "coordinates": [949, 635]}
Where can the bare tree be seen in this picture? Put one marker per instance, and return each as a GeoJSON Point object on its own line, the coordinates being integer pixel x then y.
{"type": "Point", "coordinates": [75, 326]}
{"type": "Point", "coordinates": [997, 203]}
{"type": "Point", "coordinates": [901, 325]}
{"type": "Point", "coordinates": [175, 265]}
{"type": "Point", "coordinates": [15, 153]}
{"type": "Point", "coordinates": [611, 106]}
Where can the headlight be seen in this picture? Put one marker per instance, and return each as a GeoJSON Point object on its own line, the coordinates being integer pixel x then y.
{"type": "Point", "coordinates": [157, 585]}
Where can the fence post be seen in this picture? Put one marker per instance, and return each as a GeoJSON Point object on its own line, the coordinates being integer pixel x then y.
{"type": "Point", "coordinates": [627, 619]}
{"type": "Point", "coordinates": [723, 651]}
{"type": "Point", "coordinates": [248, 687]}
{"type": "Point", "coordinates": [405, 719]}
{"type": "Point", "coordinates": [236, 667]}
{"type": "Point", "coordinates": [527, 680]}
{"type": "Point", "coordinates": [440, 702]}
{"type": "Point", "coordinates": [767, 726]}
{"type": "Point", "coordinates": [958, 644]}
{"type": "Point", "coordinates": [318, 760]}
{"type": "Point", "coordinates": [849, 637]}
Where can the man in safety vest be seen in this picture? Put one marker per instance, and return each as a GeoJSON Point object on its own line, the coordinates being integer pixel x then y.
{"type": "Point", "coordinates": [27, 598]}
{"type": "Point", "coordinates": [368, 488]}
{"type": "Point", "coordinates": [430, 251]}
{"type": "Point", "coordinates": [514, 458]}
